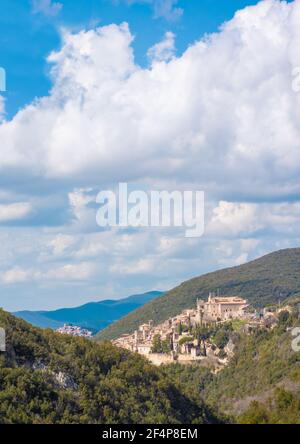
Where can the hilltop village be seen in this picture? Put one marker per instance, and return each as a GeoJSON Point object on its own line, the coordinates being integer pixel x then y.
{"type": "Point", "coordinates": [203, 334]}
{"type": "Point", "coordinates": [74, 330]}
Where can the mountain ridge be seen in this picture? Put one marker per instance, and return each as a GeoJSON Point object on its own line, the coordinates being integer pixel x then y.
{"type": "Point", "coordinates": [271, 278]}
{"type": "Point", "coordinates": [92, 315]}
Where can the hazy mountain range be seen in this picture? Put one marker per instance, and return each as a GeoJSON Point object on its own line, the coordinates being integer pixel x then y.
{"type": "Point", "coordinates": [94, 315]}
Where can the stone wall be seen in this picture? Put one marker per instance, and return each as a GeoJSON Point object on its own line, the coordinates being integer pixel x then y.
{"type": "Point", "coordinates": [159, 358]}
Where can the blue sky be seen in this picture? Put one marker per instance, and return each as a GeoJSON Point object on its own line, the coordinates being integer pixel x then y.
{"type": "Point", "coordinates": [162, 94]}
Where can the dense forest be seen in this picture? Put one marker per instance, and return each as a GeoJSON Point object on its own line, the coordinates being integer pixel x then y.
{"type": "Point", "coordinates": [50, 378]}
{"type": "Point", "coordinates": [270, 279]}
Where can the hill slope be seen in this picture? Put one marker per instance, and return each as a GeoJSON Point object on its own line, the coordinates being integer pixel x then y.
{"type": "Point", "coordinates": [266, 280]}
{"type": "Point", "coordinates": [261, 384]}
{"type": "Point", "coordinates": [62, 379]}
{"type": "Point", "coordinates": [94, 315]}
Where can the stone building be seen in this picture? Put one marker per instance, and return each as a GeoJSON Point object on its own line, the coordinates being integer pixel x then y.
{"type": "Point", "coordinates": [221, 308]}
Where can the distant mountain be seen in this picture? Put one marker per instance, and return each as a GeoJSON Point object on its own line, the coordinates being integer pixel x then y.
{"type": "Point", "coordinates": [269, 279]}
{"type": "Point", "coordinates": [94, 315]}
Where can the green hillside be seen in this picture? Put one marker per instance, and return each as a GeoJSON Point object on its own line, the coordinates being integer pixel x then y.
{"type": "Point", "coordinates": [261, 384]}
{"type": "Point", "coordinates": [262, 361]}
{"type": "Point", "coordinates": [273, 277]}
{"type": "Point", "coordinates": [50, 378]}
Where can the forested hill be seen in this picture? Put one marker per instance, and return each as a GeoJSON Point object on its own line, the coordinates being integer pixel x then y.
{"type": "Point", "coordinates": [269, 279]}
{"type": "Point", "coordinates": [261, 384]}
{"type": "Point", "coordinates": [50, 378]}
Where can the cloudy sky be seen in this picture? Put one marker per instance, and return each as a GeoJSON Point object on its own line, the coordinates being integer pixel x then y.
{"type": "Point", "coordinates": [162, 94]}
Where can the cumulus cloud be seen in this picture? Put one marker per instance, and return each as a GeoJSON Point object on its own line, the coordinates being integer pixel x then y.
{"type": "Point", "coordinates": [47, 7]}
{"type": "Point", "coordinates": [235, 218]}
{"type": "Point", "coordinates": [164, 50]}
{"type": "Point", "coordinates": [222, 117]}
{"type": "Point", "coordinates": [223, 114]}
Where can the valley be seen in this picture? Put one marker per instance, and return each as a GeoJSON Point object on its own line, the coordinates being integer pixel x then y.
{"type": "Point", "coordinates": [225, 358]}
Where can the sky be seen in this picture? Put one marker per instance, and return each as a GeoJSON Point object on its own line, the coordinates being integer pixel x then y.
{"type": "Point", "coordinates": [160, 94]}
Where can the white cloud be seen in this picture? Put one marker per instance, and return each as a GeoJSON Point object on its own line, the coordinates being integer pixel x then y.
{"type": "Point", "coordinates": [235, 218]}
{"type": "Point", "coordinates": [236, 252]}
{"type": "Point", "coordinates": [167, 9]}
{"type": "Point", "coordinates": [60, 244]}
{"type": "Point", "coordinates": [72, 272]}
{"type": "Point", "coordinates": [141, 266]}
{"type": "Point", "coordinates": [164, 50]}
{"type": "Point", "coordinates": [2, 109]}
{"type": "Point", "coordinates": [66, 273]}
{"type": "Point", "coordinates": [92, 249]}
{"type": "Point", "coordinates": [16, 276]}
{"type": "Point", "coordinates": [221, 117]}
{"type": "Point", "coordinates": [223, 114]}
{"type": "Point", "coordinates": [84, 217]}
{"type": "Point", "coordinates": [162, 8]}
{"type": "Point", "coordinates": [14, 211]}
{"type": "Point", "coordinates": [47, 7]}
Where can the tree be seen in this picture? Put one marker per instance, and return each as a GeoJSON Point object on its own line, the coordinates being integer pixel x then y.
{"type": "Point", "coordinates": [157, 344]}
{"type": "Point", "coordinates": [256, 414]}
{"type": "Point", "coordinates": [185, 339]}
{"type": "Point", "coordinates": [180, 328]}
{"type": "Point", "coordinates": [202, 334]}
{"type": "Point", "coordinates": [283, 317]}
{"type": "Point", "coordinates": [166, 346]}
{"type": "Point", "coordinates": [221, 338]}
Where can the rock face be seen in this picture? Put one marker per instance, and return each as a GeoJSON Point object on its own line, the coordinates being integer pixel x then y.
{"type": "Point", "coordinates": [65, 381]}
{"type": "Point", "coordinates": [60, 379]}
{"type": "Point", "coordinates": [39, 365]}
{"type": "Point", "coordinates": [229, 348]}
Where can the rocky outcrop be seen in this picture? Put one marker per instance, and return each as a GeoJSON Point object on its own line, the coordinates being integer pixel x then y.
{"type": "Point", "coordinates": [65, 381]}
{"type": "Point", "coordinates": [59, 379]}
